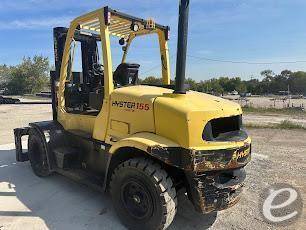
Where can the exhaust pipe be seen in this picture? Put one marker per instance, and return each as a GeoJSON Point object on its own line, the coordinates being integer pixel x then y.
{"type": "Point", "coordinates": [182, 47]}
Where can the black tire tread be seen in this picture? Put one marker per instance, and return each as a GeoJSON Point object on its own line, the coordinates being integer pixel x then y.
{"type": "Point", "coordinates": [35, 136]}
{"type": "Point", "coordinates": [163, 184]}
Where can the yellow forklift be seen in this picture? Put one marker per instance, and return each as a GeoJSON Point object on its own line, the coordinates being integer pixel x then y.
{"type": "Point", "coordinates": [141, 143]}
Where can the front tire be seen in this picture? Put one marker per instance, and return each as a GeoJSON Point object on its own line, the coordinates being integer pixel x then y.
{"type": "Point", "coordinates": [38, 154]}
{"type": "Point", "coordinates": [143, 195]}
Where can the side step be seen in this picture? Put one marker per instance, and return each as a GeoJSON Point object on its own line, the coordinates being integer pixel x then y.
{"type": "Point", "coordinates": [85, 178]}
{"type": "Point", "coordinates": [67, 157]}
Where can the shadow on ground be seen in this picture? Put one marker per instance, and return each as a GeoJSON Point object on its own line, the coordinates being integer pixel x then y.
{"type": "Point", "coordinates": [63, 204]}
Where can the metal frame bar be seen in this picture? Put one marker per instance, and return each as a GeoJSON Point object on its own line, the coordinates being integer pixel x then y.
{"type": "Point", "coordinates": [69, 120]}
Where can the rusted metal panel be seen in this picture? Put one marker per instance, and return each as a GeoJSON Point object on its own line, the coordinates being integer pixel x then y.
{"type": "Point", "coordinates": [203, 161]}
{"type": "Point", "coordinates": [221, 159]}
{"type": "Point", "coordinates": [215, 178]}
{"type": "Point", "coordinates": [213, 192]}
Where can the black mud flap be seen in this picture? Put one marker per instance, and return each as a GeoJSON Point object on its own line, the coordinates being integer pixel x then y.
{"type": "Point", "coordinates": [21, 156]}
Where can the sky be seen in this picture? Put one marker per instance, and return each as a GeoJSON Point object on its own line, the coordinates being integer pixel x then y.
{"type": "Point", "coordinates": [234, 38]}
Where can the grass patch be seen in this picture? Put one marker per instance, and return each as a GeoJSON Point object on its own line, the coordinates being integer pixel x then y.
{"type": "Point", "coordinates": [283, 125]}
{"type": "Point", "coordinates": [290, 125]}
{"type": "Point", "coordinates": [287, 111]}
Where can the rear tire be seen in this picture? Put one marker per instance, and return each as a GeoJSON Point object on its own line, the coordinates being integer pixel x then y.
{"type": "Point", "coordinates": [38, 154]}
{"type": "Point", "coordinates": [143, 195]}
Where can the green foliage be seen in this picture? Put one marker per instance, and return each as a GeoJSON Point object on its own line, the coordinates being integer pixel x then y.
{"type": "Point", "coordinates": [29, 77]}
{"type": "Point", "coordinates": [152, 81]}
{"type": "Point", "coordinates": [270, 84]}
{"type": "Point", "coordinates": [283, 125]}
{"type": "Point", "coordinates": [290, 125]}
{"type": "Point", "coordinates": [4, 70]}
{"type": "Point", "coordinates": [275, 111]}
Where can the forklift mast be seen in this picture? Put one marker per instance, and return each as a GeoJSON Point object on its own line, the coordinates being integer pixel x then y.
{"type": "Point", "coordinates": [89, 51]}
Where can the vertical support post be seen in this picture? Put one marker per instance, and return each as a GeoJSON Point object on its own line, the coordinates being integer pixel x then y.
{"type": "Point", "coordinates": [59, 37]}
{"type": "Point", "coordinates": [107, 57]}
{"type": "Point", "coordinates": [182, 47]}
{"type": "Point", "coordinates": [164, 56]}
{"type": "Point", "coordinates": [53, 94]}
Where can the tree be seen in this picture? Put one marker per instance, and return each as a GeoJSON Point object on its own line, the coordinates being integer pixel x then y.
{"type": "Point", "coordinates": [297, 82]}
{"type": "Point", "coordinates": [214, 87]}
{"type": "Point", "coordinates": [31, 76]}
{"type": "Point", "coordinates": [267, 74]}
{"type": "Point", "coordinates": [192, 84]}
{"type": "Point", "coordinates": [4, 71]}
{"type": "Point", "coordinates": [253, 86]}
{"type": "Point", "coordinates": [241, 88]}
{"type": "Point", "coordinates": [152, 81]}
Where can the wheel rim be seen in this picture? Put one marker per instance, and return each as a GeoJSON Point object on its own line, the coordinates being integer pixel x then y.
{"type": "Point", "coordinates": [136, 199]}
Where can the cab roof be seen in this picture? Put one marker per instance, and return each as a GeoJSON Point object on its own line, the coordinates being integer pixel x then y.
{"type": "Point", "coordinates": [121, 24]}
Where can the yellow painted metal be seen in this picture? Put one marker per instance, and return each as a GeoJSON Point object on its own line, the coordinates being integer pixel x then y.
{"type": "Point", "coordinates": [164, 51]}
{"type": "Point", "coordinates": [179, 118]}
{"type": "Point", "coordinates": [143, 116]}
{"type": "Point", "coordinates": [120, 27]}
{"type": "Point", "coordinates": [124, 30]}
{"type": "Point", "coordinates": [107, 58]}
{"type": "Point", "coordinates": [103, 118]}
{"type": "Point", "coordinates": [138, 112]}
{"type": "Point", "coordinates": [182, 117]}
{"type": "Point", "coordinates": [128, 44]}
{"type": "Point", "coordinates": [142, 141]}
{"type": "Point", "coordinates": [68, 120]}
{"type": "Point", "coordinates": [122, 128]}
{"type": "Point", "coordinates": [82, 122]}
{"type": "Point", "coordinates": [97, 126]}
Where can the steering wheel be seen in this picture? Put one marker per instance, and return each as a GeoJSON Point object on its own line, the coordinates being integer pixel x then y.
{"type": "Point", "coordinates": [97, 69]}
{"type": "Point", "coordinates": [97, 74]}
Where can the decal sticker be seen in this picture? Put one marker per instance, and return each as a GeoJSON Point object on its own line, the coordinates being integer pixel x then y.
{"type": "Point", "coordinates": [131, 105]}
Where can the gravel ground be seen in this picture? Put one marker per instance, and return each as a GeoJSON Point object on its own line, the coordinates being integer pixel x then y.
{"type": "Point", "coordinates": [28, 202]}
{"type": "Point", "coordinates": [268, 102]}
{"type": "Point", "coordinates": [268, 119]}
{"type": "Point", "coordinates": [14, 116]}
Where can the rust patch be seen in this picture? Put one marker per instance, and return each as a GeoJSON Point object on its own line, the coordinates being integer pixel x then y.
{"type": "Point", "coordinates": [202, 161]}
{"type": "Point", "coordinates": [209, 194]}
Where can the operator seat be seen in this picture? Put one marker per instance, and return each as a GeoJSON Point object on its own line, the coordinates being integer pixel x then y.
{"type": "Point", "coordinates": [126, 74]}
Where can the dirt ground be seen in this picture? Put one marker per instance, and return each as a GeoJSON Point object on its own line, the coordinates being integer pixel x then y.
{"type": "Point", "coordinates": [29, 202]}
{"type": "Point", "coordinates": [268, 102]}
{"type": "Point", "coordinates": [14, 116]}
{"type": "Point", "coordinates": [268, 119]}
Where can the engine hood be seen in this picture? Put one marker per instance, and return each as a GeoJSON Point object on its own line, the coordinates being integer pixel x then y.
{"type": "Point", "coordinates": [178, 117]}
{"type": "Point", "coordinates": [191, 101]}
{"type": "Point", "coordinates": [182, 117]}
{"type": "Point", "coordinates": [199, 102]}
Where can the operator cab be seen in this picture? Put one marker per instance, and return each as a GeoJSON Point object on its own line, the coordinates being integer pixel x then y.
{"type": "Point", "coordinates": [88, 75]}
{"type": "Point", "coordinates": [85, 74]}
{"type": "Point", "coordinates": [84, 88]}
